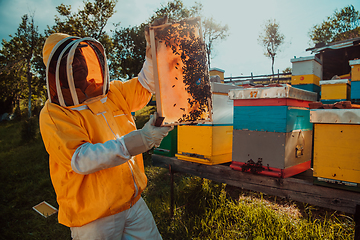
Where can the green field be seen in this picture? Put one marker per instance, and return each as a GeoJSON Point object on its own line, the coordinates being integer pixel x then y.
{"type": "Point", "coordinates": [203, 209]}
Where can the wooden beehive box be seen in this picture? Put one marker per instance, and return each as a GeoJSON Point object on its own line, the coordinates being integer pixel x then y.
{"type": "Point", "coordinates": [310, 65]}
{"type": "Point", "coordinates": [336, 147]}
{"type": "Point", "coordinates": [355, 80]}
{"type": "Point", "coordinates": [306, 70]}
{"type": "Point", "coordinates": [355, 69]}
{"type": "Point", "coordinates": [210, 143]}
{"type": "Point", "coordinates": [168, 146]}
{"type": "Point", "coordinates": [336, 90]}
{"type": "Point", "coordinates": [306, 73]}
{"type": "Point", "coordinates": [272, 131]}
{"type": "Point", "coordinates": [183, 94]}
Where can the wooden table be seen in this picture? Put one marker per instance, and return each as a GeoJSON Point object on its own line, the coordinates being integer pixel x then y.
{"type": "Point", "coordinates": [298, 188]}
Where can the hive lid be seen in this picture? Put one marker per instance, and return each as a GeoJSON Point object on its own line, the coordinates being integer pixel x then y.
{"type": "Point", "coordinates": [281, 91]}
{"type": "Point", "coordinates": [354, 62]}
{"type": "Point", "coordinates": [308, 58]}
{"type": "Point", "coordinates": [335, 81]}
{"type": "Point", "coordinates": [222, 87]}
{"type": "Point", "coordinates": [344, 116]}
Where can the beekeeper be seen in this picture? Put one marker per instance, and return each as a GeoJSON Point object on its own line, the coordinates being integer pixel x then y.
{"type": "Point", "coordinates": [96, 164]}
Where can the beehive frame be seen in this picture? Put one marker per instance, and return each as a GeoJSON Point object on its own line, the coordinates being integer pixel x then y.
{"type": "Point", "coordinates": [182, 81]}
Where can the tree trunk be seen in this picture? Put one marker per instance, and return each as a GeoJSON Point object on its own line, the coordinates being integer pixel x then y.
{"type": "Point", "coordinates": [208, 49]}
{"type": "Point", "coordinates": [272, 65]}
{"type": "Point", "coordinates": [29, 76]}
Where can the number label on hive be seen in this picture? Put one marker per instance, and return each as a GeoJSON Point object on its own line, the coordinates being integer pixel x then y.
{"type": "Point", "coordinates": [183, 94]}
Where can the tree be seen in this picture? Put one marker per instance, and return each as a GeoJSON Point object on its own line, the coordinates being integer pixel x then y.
{"type": "Point", "coordinates": [176, 11]}
{"type": "Point", "coordinates": [21, 52]}
{"type": "Point", "coordinates": [287, 70]}
{"type": "Point", "coordinates": [271, 39]}
{"type": "Point", "coordinates": [129, 43]}
{"type": "Point", "coordinates": [87, 22]}
{"type": "Point", "coordinates": [342, 25]}
{"type": "Point", "coordinates": [212, 32]}
{"type": "Point", "coordinates": [128, 54]}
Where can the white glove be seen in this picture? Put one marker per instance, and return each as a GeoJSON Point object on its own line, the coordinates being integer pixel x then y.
{"type": "Point", "coordinates": [149, 136]}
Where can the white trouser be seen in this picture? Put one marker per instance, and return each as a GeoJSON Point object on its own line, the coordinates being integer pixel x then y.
{"type": "Point", "coordinates": [135, 223]}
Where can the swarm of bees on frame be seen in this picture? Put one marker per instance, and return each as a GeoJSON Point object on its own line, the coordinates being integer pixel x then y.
{"type": "Point", "coordinates": [191, 49]}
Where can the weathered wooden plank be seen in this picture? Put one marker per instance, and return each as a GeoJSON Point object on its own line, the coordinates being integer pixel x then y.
{"type": "Point", "coordinates": [296, 188]}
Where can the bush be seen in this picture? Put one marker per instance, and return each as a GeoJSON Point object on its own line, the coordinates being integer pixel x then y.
{"type": "Point", "coordinates": [29, 129]}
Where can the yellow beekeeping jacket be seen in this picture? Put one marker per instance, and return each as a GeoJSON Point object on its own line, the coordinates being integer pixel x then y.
{"type": "Point", "coordinates": [85, 198]}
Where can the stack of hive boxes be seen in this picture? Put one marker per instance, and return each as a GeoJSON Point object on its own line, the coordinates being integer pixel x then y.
{"type": "Point", "coordinates": [272, 131]}
{"type": "Point", "coordinates": [306, 73]}
{"type": "Point", "coordinates": [210, 143]}
{"type": "Point", "coordinates": [355, 80]}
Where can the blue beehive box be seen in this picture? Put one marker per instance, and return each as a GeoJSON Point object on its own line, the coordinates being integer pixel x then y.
{"type": "Point", "coordinates": [272, 131]}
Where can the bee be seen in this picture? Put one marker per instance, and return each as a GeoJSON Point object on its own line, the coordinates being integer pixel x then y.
{"type": "Point", "coordinates": [182, 109]}
{"type": "Point", "coordinates": [173, 86]}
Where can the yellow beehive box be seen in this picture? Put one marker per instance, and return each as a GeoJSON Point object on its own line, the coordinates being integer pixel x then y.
{"type": "Point", "coordinates": [217, 71]}
{"type": "Point", "coordinates": [205, 144]}
{"type": "Point", "coordinates": [338, 89]}
{"type": "Point", "coordinates": [355, 69]}
{"type": "Point", "coordinates": [336, 145]}
{"type": "Point", "coordinates": [305, 79]}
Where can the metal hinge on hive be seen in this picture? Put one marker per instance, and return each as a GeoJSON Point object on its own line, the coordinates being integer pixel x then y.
{"type": "Point", "coordinates": [299, 150]}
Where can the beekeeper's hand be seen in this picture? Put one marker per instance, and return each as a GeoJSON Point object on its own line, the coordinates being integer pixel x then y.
{"type": "Point", "coordinates": [144, 139]}
{"type": "Point", "coordinates": [156, 22]}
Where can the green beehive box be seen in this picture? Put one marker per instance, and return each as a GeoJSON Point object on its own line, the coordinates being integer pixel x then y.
{"type": "Point", "coordinates": [168, 146]}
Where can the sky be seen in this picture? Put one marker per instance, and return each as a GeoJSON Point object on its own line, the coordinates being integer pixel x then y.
{"type": "Point", "coordinates": [240, 54]}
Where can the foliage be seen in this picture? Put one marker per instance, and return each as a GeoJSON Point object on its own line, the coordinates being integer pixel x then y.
{"type": "Point", "coordinates": [176, 11]}
{"type": "Point", "coordinates": [342, 25]}
{"type": "Point", "coordinates": [128, 54]}
{"type": "Point", "coordinates": [271, 39]}
{"type": "Point", "coordinates": [19, 58]}
{"type": "Point", "coordinates": [143, 115]}
{"type": "Point", "coordinates": [213, 32]}
{"type": "Point", "coordinates": [287, 70]}
{"type": "Point", "coordinates": [28, 129]}
{"type": "Point", "coordinates": [24, 183]}
{"type": "Point", "coordinates": [129, 43]}
{"type": "Point", "coordinates": [87, 22]}
{"type": "Point", "coordinates": [213, 214]}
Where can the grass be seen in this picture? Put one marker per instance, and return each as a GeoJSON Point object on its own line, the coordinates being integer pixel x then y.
{"type": "Point", "coordinates": [208, 210]}
{"type": "Point", "coordinates": [25, 182]}
{"type": "Point", "coordinates": [203, 209]}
